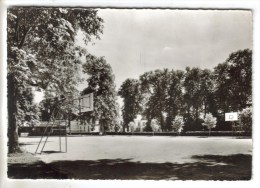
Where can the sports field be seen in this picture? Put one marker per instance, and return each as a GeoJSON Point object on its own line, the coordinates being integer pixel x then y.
{"type": "Point", "coordinates": [146, 157]}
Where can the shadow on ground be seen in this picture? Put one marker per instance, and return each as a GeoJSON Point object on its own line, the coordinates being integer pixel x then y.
{"type": "Point", "coordinates": [207, 167]}
{"type": "Point", "coordinates": [36, 170]}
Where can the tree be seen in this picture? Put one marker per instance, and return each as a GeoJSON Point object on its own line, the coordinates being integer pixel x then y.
{"type": "Point", "coordinates": [101, 81]}
{"type": "Point", "coordinates": [41, 52]}
{"type": "Point", "coordinates": [177, 124]}
{"type": "Point", "coordinates": [192, 98]}
{"type": "Point", "coordinates": [207, 88]}
{"type": "Point", "coordinates": [209, 121]}
{"type": "Point", "coordinates": [234, 82]}
{"type": "Point", "coordinates": [174, 99]}
{"type": "Point", "coordinates": [130, 92]}
{"type": "Point", "coordinates": [154, 88]}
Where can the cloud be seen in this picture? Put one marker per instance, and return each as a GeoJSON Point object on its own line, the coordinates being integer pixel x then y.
{"type": "Point", "coordinates": [167, 48]}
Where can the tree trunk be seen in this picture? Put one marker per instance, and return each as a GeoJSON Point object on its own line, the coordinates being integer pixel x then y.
{"type": "Point", "coordinates": [123, 127]}
{"type": "Point", "coordinates": [12, 92]}
{"type": "Point", "coordinates": [188, 109]}
{"type": "Point", "coordinates": [197, 113]}
{"type": "Point", "coordinates": [127, 127]}
{"type": "Point", "coordinates": [162, 123]}
{"type": "Point", "coordinates": [102, 130]}
{"type": "Point", "coordinates": [149, 121]}
{"type": "Point", "coordinates": [205, 109]}
{"type": "Point", "coordinates": [69, 121]}
{"type": "Point", "coordinates": [101, 127]}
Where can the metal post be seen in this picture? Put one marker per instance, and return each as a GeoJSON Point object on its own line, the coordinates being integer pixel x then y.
{"type": "Point", "coordinates": [59, 135]}
{"type": "Point", "coordinates": [232, 128]}
{"type": "Point", "coordinates": [48, 134]}
{"type": "Point", "coordinates": [69, 121]}
{"type": "Point", "coordinates": [66, 147]}
{"type": "Point", "coordinates": [45, 131]}
{"type": "Point", "coordinates": [79, 106]}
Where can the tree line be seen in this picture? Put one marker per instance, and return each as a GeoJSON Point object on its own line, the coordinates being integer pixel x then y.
{"type": "Point", "coordinates": [193, 93]}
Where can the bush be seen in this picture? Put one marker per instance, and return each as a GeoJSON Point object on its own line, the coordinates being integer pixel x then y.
{"type": "Point", "coordinates": [138, 129]}
{"type": "Point", "coordinates": [245, 120]}
{"type": "Point", "coordinates": [148, 128]}
{"type": "Point", "coordinates": [177, 124]}
{"type": "Point", "coordinates": [209, 121]}
{"type": "Point", "coordinates": [131, 126]}
{"type": "Point", "coordinates": [155, 126]}
{"type": "Point", "coordinates": [191, 124]}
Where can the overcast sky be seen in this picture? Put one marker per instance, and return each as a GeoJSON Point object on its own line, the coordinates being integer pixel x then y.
{"type": "Point", "coordinates": [139, 40]}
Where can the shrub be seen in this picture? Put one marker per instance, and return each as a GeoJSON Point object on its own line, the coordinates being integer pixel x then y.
{"type": "Point", "coordinates": [138, 129]}
{"type": "Point", "coordinates": [131, 126]}
{"type": "Point", "coordinates": [191, 124]}
{"type": "Point", "coordinates": [148, 127]}
{"type": "Point", "coordinates": [155, 126]}
{"type": "Point", "coordinates": [177, 124]}
{"type": "Point", "coordinates": [245, 120]}
{"type": "Point", "coordinates": [209, 121]}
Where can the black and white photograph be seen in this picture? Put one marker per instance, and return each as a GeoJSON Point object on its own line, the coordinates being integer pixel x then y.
{"type": "Point", "coordinates": [96, 93]}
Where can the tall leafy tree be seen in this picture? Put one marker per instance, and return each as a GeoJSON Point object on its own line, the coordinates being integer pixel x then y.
{"type": "Point", "coordinates": [207, 89]}
{"type": "Point", "coordinates": [154, 85]}
{"type": "Point", "coordinates": [192, 96]}
{"type": "Point", "coordinates": [174, 99]}
{"type": "Point", "coordinates": [41, 52]}
{"type": "Point", "coordinates": [199, 96]}
{"type": "Point", "coordinates": [101, 81]}
{"type": "Point", "coordinates": [131, 94]}
{"type": "Point", "coordinates": [234, 81]}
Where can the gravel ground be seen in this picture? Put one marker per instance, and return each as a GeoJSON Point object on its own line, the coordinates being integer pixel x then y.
{"type": "Point", "coordinates": [158, 149]}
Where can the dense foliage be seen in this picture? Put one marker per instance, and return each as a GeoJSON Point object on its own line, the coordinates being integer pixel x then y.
{"type": "Point", "coordinates": [42, 53]}
{"type": "Point", "coordinates": [245, 118]}
{"type": "Point", "coordinates": [130, 92]}
{"type": "Point", "coordinates": [193, 94]}
{"type": "Point", "coordinates": [101, 82]}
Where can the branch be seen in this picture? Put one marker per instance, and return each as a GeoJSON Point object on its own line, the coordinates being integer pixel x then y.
{"type": "Point", "coordinates": [17, 31]}
{"type": "Point", "coordinates": [23, 39]}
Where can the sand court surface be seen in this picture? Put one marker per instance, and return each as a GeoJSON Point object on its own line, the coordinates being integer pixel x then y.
{"type": "Point", "coordinates": [143, 149]}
